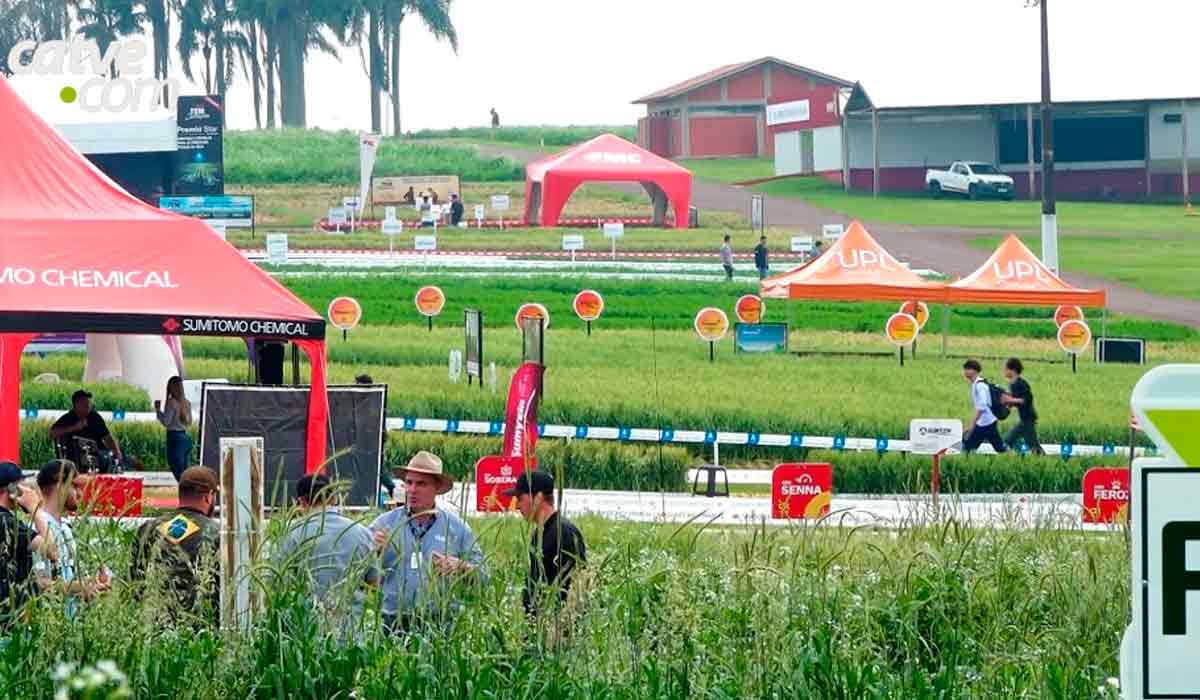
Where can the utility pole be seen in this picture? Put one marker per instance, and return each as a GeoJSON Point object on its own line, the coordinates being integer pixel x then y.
{"type": "Point", "coordinates": [1049, 211]}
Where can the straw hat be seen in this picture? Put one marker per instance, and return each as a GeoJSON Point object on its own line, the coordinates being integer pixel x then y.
{"type": "Point", "coordinates": [430, 464]}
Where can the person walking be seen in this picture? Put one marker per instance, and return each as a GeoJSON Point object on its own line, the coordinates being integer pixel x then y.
{"type": "Point", "coordinates": [1020, 395]}
{"type": "Point", "coordinates": [176, 415]}
{"type": "Point", "coordinates": [760, 258]}
{"type": "Point", "coordinates": [556, 548]}
{"type": "Point", "coordinates": [18, 542]}
{"type": "Point", "coordinates": [727, 258]}
{"type": "Point", "coordinates": [984, 424]}
{"type": "Point", "coordinates": [333, 555]}
{"type": "Point", "coordinates": [426, 549]}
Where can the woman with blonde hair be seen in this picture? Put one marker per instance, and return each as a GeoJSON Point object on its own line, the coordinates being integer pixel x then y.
{"type": "Point", "coordinates": [176, 416]}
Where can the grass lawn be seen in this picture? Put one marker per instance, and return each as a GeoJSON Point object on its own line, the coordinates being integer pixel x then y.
{"type": "Point", "coordinates": [729, 170]}
{"type": "Point", "coordinates": [922, 210]}
{"type": "Point", "coordinates": [1163, 265]}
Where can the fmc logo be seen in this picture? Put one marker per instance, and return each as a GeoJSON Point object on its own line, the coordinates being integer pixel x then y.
{"type": "Point", "coordinates": [862, 259]}
{"type": "Point", "coordinates": [614, 158]}
{"type": "Point", "coordinates": [84, 72]}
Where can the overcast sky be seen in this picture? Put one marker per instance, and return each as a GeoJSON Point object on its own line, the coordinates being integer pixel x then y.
{"type": "Point", "coordinates": [583, 61]}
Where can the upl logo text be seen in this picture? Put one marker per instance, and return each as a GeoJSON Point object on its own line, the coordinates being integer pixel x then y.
{"type": "Point", "coordinates": [855, 258]}
{"type": "Point", "coordinates": [86, 73]}
{"type": "Point", "coordinates": [1017, 270]}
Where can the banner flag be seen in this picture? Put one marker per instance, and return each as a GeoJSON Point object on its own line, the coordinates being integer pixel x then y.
{"type": "Point", "coordinates": [367, 145]}
{"type": "Point", "coordinates": [520, 417]}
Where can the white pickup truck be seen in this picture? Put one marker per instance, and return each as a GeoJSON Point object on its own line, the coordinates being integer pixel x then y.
{"type": "Point", "coordinates": [972, 179]}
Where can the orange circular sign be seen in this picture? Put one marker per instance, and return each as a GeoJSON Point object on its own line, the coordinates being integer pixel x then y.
{"type": "Point", "coordinates": [711, 324]}
{"type": "Point", "coordinates": [588, 305]}
{"type": "Point", "coordinates": [430, 300]}
{"type": "Point", "coordinates": [901, 329]}
{"type": "Point", "coordinates": [1067, 313]}
{"type": "Point", "coordinates": [532, 310]}
{"type": "Point", "coordinates": [1074, 336]}
{"type": "Point", "coordinates": [918, 310]}
{"type": "Point", "coordinates": [749, 308]}
{"type": "Point", "coordinates": [344, 313]}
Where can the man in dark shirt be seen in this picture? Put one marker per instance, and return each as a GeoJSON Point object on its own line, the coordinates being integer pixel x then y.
{"type": "Point", "coordinates": [760, 258]}
{"type": "Point", "coordinates": [185, 543]}
{"type": "Point", "coordinates": [18, 541]}
{"type": "Point", "coordinates": [557, 548]}
{"type": "Point", "coordinates": [456, 210]}
{"type": "Point", "coordinates": [1021, 396]}
{"type": "Point", "coordinates": [81, 421]}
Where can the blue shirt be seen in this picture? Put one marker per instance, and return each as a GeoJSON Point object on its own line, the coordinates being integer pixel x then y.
{"type": "Point", "coordinates": [409, 580]}
{"type": "Point", "coordinates": [63, 569]}
{"type": "Point", "coordinates": [335, 556]}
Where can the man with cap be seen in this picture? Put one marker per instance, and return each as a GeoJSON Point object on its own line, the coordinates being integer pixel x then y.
{"type": "Point", "coordinates": [556, 548]}
{"type": "Point", "coordinates": [426, 549]}
{"type": "Point", "coordinates": [18, 541]}
{"type": "Point", "coordinates": [81, 421]}
{"type": "Point", "coordinates": [185, 542]}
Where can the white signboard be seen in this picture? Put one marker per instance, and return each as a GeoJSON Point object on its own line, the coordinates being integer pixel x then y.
{"type": "Point", "coordinates": [756, 212]}
{"type": "Point", "coordinates": [929, 436]}
{"type": "Point", "coordinates": [350, 203]}
{"type": "Point", "coordinates": [392, 227]}
{"type": "Point", "coordinates": [788, 112]}
{"type": "Point", "coordinates": [389, 213]}
{"type": "Point", "coordinates": [479, 213]}
{"type": "Point", "coordinates": [500, 202]}
{"type": "Point", "coordinates": [802, 244]}
{"type": "Point", "coordinates": [614, 230]}
{"type": "Point", "coordinates": [277, 248]}
{"type": "Point", "coordinates": [832, 232]}
{"type": "Point", "coordinates": [572, 243]}
{"type": "Point", "coordinates": [337, 216]}
{"type": "Point", "coordinates": [425, 243]}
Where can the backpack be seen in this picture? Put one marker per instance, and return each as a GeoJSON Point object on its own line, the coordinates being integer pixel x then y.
{"type": "Point", "coordinates": [999, 409]}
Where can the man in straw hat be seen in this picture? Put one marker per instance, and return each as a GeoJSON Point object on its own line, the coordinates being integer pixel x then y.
{"type": "Point", "coordinates": [425, 549]}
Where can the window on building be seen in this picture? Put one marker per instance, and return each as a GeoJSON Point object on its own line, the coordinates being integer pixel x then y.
{"type": "Point", "coordinates": [1084, 139]}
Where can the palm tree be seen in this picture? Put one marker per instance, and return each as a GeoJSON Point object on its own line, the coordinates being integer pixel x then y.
{"type": "Point", "coordinates": [210, 28]}
{"type": "Point", "coordinates": [367, 29]}
{"type": "Point", "coordinates": [106, 21]}
{"type": "Point", "coordinates": [435, 15]}
{"type": "Point", "coordinates": [249, 13]}
{"type": "Point", "coordinates": [158, 14]}
{"type": "Point", "coordinates": [293, 28]}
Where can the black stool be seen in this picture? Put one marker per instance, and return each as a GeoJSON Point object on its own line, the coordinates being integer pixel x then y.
{"type": "Point", "coordinates": [711, 490]}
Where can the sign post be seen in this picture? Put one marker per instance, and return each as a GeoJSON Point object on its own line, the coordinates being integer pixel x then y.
{"type": "Point", "coordinates": [756, 213]}
{"type": "Point", "coordinates": [478, 216]}
{"type": "Point", "coordinates": [350, 204]}
{"type": "Point", "coordinates": [801, 491]}
{"type": "Point", "coordinates": [277, 248]}
{"type": "Point", "coordinates": [430, 300]}
{"type": "Point", "coordinates": [572, 243]}
{"type": "Point", "coordinates": [344, 313]}
{"type": "Point", "coordinates": [500, 204]}
{"type": "Point", "coordinates": [613, 231]}
{"type": "Point", "coordinates": [749, 308]}
{"type": "Point", "coordinates": [935, 437]}
{"type": "Point", "coordinates": [902, 329]}
{"type": "Point", "coordinates": [473, 331]}
{"type": "Point", "coordinates": [588, 306]}
{"type": "Point", "coordinates": [337, 217]}
{"type": "Point", "coordinates": [920, 311]}
{"type": "Point", "coordinates": [711, 324]}
{"type": "Point", "coordinates": [1074, 337]}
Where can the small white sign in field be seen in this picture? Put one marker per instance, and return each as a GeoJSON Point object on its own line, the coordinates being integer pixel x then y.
{"type": "Point", "coordinates": [832, 232]}
{"type": "Point", "coordinates": [479, 213]}
{"type": "Point", "coordinates": [572, 243]}
{"type": "Point", "coordinates": [614, 230]}
{"type": "Point", "coordinates": [392, 227]}
{"type": "Point", "coordinates": [389, 213]}
{"type": "Point", "coordinates": [929, 436]}
{"type": "Point", "coordinates": [277, 248]}
{"type": "Point", "coordinates": [425, 243]}
{"type": "Point", "coordinates": [337, 216]}
{"type": "Point", "coordinates": [500, 202]}
{"type": "Point", "coordinates": [802, 244]}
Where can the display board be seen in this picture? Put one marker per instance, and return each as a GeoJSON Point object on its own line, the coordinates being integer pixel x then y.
{"type": "Point", "coordinates": [473, 325]}
{"type": "Point", "coordinates": [760, 337]}
{"type": "Point", "coordinates": [280, 416]}
{"type": "Point", "coordinates": [409, 190]}
{"type": "Point", "coordinates": [199, 155]}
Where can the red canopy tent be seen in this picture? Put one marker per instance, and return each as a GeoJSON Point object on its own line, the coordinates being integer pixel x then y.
{"type": "Point", "coordinates": [607, 158]}
{"type": "Point", "coordinates": [855, 268]}
{"type": "Point", "coordinates": [1013, 275]}
{"type": "Point", "coordinates": [79, 254]}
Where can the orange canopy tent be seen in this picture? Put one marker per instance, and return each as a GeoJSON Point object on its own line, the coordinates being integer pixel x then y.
{"type": "Point", "coordinates": [1014, 276]}
{"type": "Point", "coordinates": [855, 268]}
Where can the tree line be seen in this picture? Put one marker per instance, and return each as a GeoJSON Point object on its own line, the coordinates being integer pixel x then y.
{"type": "Point", "coordinates": [268, 40]}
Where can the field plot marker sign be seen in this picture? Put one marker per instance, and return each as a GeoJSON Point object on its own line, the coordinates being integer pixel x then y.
{"type": "Point", "coordinates": [711, 324]}
{"type": "Point", "coordinates": [277, 248]}
{"type": "Point", "coordinates": [832, 232]}
{"type": "Point", "coordinates": [344, 313]}
{"type": "Point", "coordinates": [803, 245]}
{"type": "Point", "coordinates": [350, 205]}
{"type": "Point", "coordinates": [902, 329]}
{"type": "Point", "coordinates": [588, 306]}
{"type": "Point", "coordinates": [500, 204]}
{"type": "Point", "coordinates": [756, 213]}
{"type": "Point", "coordinates": [494, 475]}
{"type": "Point", "coordinates": [532, 310]}
{"type": "Point", "coordinates": [801, 491]}
{"type": "Point", "coordinates": [473, 330]}
{"type": "Point", "coordinates": [749, 308]}
{"type": "Point", "coordinates": [1159, 650]}
{"type": "Point", "coordinates": [336, 217]}
{"type": "Point", "coordinates": [425, 244]}
{"type": "Point", "coordinates": [1106, 496]}
{"type": "Point", "coordinates": [920, 311]}
{"type": "Point", "coordinates": [572, 243]}
{"type": "Point", "coordinates": [1074, 337]}
{"type": "Point", "coordinates": [429, 301]}
{"type": "Point", "coordinates": [935, 437]}
{"type": "Point", "coordinates": [1067, 313]}
{"type": "Point", "coordinates": [479, 214]}
{"type": "Point", "coordinates": [613, 231]}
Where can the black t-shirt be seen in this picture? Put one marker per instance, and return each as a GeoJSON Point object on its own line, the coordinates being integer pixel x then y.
{"type": "Point", "coordinates": [1020, 390]}
{"type": "Point", "coordinates": [760, 255]}
{"type": "Point", "coordinates": [554, 553]}
{"type": "Point", "coordinates": [16, 562]}
{"type": "Point", "coordinates": [96, 430]}
{"type": "Point", "coordinates": [456, 212]}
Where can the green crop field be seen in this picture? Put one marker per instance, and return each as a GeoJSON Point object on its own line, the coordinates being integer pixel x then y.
{"type": "Point", "coordinates": [532, 137]}
{"type": "Point", "coordinates": [729, 170]}
{"type": "Point", "coordinates": [930, 610]}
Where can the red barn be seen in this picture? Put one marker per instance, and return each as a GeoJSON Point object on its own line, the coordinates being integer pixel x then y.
{"type": "Point", "coordinates": [738, 110]}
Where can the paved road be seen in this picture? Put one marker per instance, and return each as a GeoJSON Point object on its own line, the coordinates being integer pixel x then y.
{"type": "Point", "coordinates": [946, 250]}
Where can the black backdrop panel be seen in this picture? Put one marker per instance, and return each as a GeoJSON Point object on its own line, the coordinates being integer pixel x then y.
{"type": "Point", "coordinates": [280, 416]}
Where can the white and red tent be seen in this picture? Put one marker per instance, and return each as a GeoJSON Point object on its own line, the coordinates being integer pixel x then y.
{"type": "Point", "coordinates": [550, 181]}
{"type": "Point", "coordinates": [78, 254]}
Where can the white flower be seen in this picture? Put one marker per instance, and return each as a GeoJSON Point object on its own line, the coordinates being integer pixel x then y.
{"type": "Point", "coordinates": [77, 683]}
{"type": "Point", "coordinates": [107, 666]}
{"type": "Point", "coordinates": [62, 672]}
{"type": "Point", "coordinates": [62, 694]}
{"type": "Point", "coordinates": [1113, 682]}
{"type": "Point", "coordinates": [95, 679]}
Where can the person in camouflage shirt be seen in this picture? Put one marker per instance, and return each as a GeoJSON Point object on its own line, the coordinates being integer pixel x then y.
{"type": "Point", "coordinates": [186, 542]}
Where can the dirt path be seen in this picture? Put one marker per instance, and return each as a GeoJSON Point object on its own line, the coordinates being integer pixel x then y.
{"type": "Point", "coordinates": [947, 250]}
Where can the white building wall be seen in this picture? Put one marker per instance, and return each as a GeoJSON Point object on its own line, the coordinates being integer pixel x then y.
{"type": "Point", "coordinates": [827, 149]}
{"type": "Point", "coordinates": [1165, 139]}
{"type": "Point", "coordinates": [923, 141]}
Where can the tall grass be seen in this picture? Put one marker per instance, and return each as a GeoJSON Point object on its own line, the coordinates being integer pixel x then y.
{"type": "Point", "coordinates": [931, 610]}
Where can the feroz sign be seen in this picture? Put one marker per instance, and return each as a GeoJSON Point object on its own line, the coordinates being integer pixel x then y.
{"type": "Point", "coordinates": [918, 310]}
{"type": "Point", "coordinates": [902, 329]}
{"type": "Point", "coordinates": [588, 305]}
{"type": "Point", "coordinates": [801, 490]}
{"type": "Point", "coordinates": [749, 308]}
{"type": "Point", "coordinates": [532, 310]}
{"type": "Point", "coordinates": [1158, 651]}
{"type": "Point", "coordinates": [930, 436]}
{"type": "Point", "coordinates": [344, 313]}
{"type": "Point", "coordinates": [1067, 313]}
{"type": "Point", "coordinates": [430, 300]}
{"type": "Point", "coordinates": [1074, 336]}
{"type": "Point", "coordinates": [1106, 495]}
{"type": "Point", "coordinates": [711, 324]}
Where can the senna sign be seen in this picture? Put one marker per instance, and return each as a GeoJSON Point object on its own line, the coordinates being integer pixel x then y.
{"type": "Point", "coordinates": [801, 490]}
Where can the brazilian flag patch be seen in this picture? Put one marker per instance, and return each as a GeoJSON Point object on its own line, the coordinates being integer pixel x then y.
{"type": "Point", "coordinates": [178, 529]}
